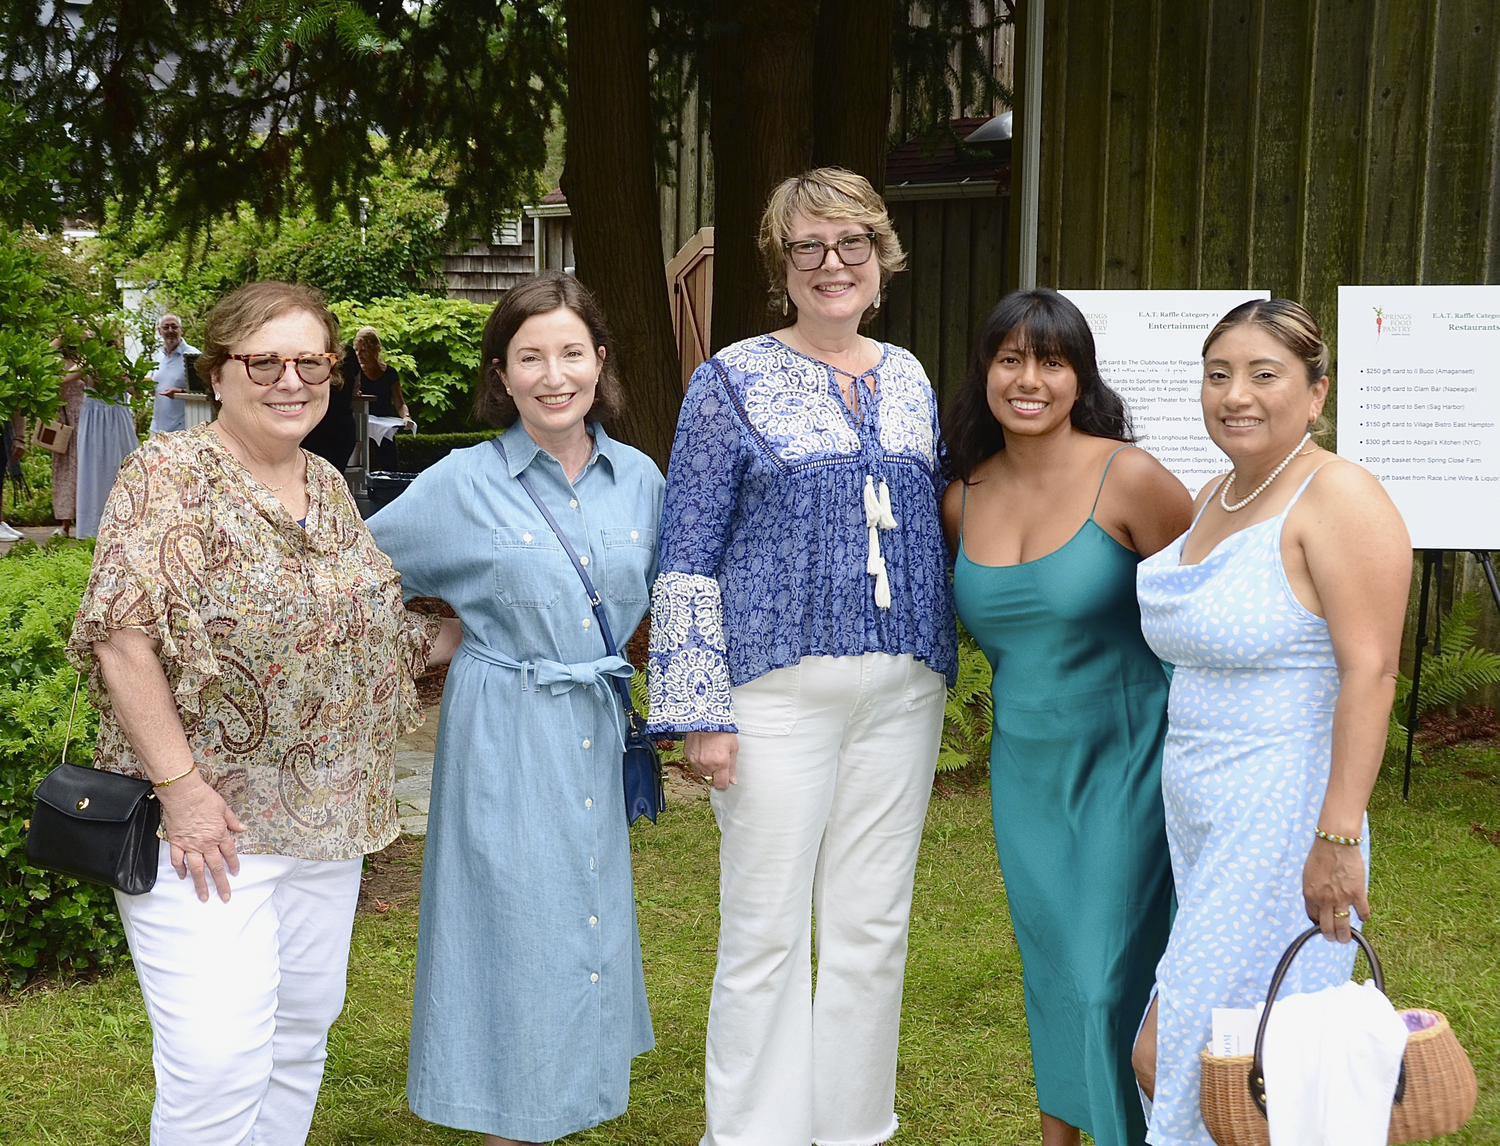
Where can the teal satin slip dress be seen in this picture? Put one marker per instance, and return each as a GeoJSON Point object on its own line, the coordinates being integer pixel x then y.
{"type": "Point", "coordinates": [1075, 781]}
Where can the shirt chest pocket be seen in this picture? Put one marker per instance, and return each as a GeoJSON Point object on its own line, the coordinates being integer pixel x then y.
{"type": "Point", "coordinates": [531, 568]}
{"type": "Point", "coordinates": [628, 557]}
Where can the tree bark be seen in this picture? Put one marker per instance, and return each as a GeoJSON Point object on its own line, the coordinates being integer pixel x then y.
{"type": "Point", "coordinates": [610, 180]}
{"type": "Point", "coordinates": [852, 86]}
{"type": "Point", "coordinates": [761, 129]}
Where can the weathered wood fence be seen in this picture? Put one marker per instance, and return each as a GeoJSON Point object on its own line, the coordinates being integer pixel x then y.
{"type": "Point", "coordinates": [1287, 144]}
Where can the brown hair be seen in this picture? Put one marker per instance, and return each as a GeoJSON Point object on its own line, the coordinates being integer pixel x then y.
{"type": "Point", "coordinates": [243, 311]}
{"type": "Point", "coordinates": [1290, 324]}
{"type": "Point", "coordinates": [825, 193]}
{"type": "Point", "coordinates": [546, 292]}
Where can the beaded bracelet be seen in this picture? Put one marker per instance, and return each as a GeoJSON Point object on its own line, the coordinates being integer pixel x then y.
{"type": "Point", "coordinates": [1333, 839]}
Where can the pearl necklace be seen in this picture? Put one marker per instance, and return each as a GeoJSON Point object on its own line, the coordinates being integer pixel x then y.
{"type": "Point", "coordinates": [1286, 461]}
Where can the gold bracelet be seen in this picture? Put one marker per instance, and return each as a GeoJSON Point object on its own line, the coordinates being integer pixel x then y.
{"type": "Point", "coordinates": [193, 767]}
{"type": "Point", "coordinates": [1333, 839]}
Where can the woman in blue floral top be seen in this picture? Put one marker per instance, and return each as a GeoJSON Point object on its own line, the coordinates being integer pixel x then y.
{"type": "Point", "coordinates": [801, 631]}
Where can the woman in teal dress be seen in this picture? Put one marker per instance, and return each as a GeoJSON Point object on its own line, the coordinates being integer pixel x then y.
{"type": "Point", "coordinates": [1053, 511]}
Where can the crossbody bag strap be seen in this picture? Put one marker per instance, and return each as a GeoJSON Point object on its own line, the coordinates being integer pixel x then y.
{"type": "Point", "coordinates": [595, 601]}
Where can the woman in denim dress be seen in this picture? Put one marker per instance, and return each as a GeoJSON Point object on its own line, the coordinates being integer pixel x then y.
{"type": "Point", "coordinates": [530, 1000]}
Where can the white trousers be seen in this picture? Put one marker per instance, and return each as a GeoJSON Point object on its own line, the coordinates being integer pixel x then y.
{"type": "Point", "coordinates": [834, 773]}
{"type": "Point", "coordinates": [241, 996]}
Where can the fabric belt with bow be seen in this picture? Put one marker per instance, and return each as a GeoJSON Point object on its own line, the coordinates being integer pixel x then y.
{"type": "Point", "coordinates": [559, 677]}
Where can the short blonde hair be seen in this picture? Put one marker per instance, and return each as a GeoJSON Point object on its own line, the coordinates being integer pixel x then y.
{"type": "Point", "coordinates": [368, 338]}
{"type": "Point", "coordinates": [832, 193]}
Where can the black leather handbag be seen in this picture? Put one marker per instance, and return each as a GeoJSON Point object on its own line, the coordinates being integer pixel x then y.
{"type": "Point", "coordinates": [645, 794]}
{"type": "Point", "coordinates": [95, 825]}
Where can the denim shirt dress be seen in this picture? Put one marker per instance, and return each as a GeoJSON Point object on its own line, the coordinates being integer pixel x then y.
{"type": "Point", "coordinates": [530, 999]}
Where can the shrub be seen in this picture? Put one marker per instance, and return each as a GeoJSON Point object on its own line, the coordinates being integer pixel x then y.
{"type": "Point", "coordinates": [1448, 679]}
{"type": "Point", "coordinates": [969, 717]}
{"type": "Point", "coordinates": [432, 342]}
{"type": "Point", "coordinates": [46, 920]}
{"type": "Point", "coordinates": [419, 451]}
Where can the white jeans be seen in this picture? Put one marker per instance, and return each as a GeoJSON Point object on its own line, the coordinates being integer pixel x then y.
{"type": "Point", "coordinates": [241, 996]}
{"type": "Point", "coordinates": [834, 773]}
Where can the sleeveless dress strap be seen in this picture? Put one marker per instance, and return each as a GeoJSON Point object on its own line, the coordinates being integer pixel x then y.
{"type": "Point", "coordinates": [1102, 476]}
{"type": "Point", "coordinates": [963, 507]}
{"type": "Point", "coordinates": [1305, 483]}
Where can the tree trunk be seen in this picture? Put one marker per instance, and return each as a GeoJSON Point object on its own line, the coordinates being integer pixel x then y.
{"type": "Point", "coordinates": [610, 181]}
{"type": "Point", "coordinates": [852, 87]}
{"type": "Point", "coordinates": [762, 130]}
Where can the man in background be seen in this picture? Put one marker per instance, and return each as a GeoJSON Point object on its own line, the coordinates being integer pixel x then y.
{"type": "Point", "coordinates": [169, 379]}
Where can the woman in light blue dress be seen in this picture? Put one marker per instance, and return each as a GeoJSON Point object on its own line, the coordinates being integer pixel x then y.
{"type": "Point", "coordinates": [530, 999]}
{"type": "Point", "coordinates": [1282, 609]}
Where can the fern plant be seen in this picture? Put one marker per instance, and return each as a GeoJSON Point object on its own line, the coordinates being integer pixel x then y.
{"type": "Point", "coordinates": [1450, 677]}
{"type": "Point", "coordinates": [969, 716]}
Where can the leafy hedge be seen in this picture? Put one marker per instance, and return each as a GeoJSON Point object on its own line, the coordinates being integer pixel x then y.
{"type": "Point", "coordinates": [432, 342]}
{"type": "Point", "coordinates": [46, 920]}
{"type": "Point", "coordinates": [416, 452]}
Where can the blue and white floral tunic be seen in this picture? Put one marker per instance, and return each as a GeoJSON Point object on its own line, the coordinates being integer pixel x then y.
{"type": "Point", "coordinates": [794, 528]}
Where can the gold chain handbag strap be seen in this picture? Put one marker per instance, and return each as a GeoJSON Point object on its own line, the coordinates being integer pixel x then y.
{"type": "Point", "coordinates": [73, 708]}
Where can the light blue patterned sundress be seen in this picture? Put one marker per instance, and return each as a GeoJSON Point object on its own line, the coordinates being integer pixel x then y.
{"type": "Point", "coordinates": [1244, 772]}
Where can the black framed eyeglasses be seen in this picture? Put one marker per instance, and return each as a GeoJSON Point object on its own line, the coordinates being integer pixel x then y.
{"type": "Point", "coordinates": [810, 254]}
{"type": "Point", "coordinates": [267, 369]}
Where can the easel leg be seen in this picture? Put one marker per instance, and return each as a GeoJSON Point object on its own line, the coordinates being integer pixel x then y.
{"type": "Point", "coordinates": [1483, 557]}
{"type": "Point", "coordinates": [1430, 558]}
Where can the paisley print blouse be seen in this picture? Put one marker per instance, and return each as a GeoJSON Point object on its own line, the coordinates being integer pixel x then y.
{"type": "Point", "coordinates": [793, 527]}
{"type": "Point", "coordinates": [287, 648]}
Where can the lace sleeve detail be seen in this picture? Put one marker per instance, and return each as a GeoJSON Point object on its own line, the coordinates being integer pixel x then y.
{"type": "Point", "coordinates": [688, 672]}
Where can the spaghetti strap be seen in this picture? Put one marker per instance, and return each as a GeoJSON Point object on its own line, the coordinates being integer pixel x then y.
{"type": "Point", "coordinates": [1305, 483]}
{"type": "Point", "coordinates": [1102, 476]}
{"type": "Point", "coordinates": [963, 505]}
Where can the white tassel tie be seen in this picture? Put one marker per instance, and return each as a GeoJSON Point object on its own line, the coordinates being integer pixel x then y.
{"type": "Point", "coordinates": [878, 517]}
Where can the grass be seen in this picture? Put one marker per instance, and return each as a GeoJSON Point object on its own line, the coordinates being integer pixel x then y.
{"type": "Point", "coordinates": [75, 1060]}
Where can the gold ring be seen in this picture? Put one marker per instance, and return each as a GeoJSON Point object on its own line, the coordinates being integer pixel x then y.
{"type": "Point", "coordinates": [1341, 915]}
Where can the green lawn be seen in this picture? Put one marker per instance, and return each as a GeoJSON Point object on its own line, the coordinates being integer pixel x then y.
{"type": "Point", "coordinates": [75, 1062]}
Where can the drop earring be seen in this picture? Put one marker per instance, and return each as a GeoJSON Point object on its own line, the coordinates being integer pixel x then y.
{"type": "Point", "coordinates": [783, 305]}
{"type": "Point", "coordinates": [876, 304]}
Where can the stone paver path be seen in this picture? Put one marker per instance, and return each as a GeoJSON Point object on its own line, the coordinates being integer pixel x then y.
{"type": "Point", "coordinates": [414, 753]}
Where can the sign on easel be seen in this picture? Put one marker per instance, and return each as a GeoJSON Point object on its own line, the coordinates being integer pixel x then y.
{"type": "Point", "coordinates": [1149, 344]}
{"type": "Point", "coordinates": [1419, 405]}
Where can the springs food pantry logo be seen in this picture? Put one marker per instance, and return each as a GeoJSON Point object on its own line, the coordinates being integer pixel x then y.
{"type": "Point", "coordinates": [1395, 324]}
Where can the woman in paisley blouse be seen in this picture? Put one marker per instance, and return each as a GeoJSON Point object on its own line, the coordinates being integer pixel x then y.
{"type": "Point", "coordinates": [248, 650]}
{"type": "Point", "coordinates": [801, 631]}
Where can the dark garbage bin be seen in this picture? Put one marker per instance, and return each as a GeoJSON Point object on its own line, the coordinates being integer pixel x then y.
{"type": "Point", "coordinates": [385, 486]}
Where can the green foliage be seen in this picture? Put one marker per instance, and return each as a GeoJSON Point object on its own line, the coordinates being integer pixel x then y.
{"type": "Point", "coordinates": [419, 451]}
{"type": "Point", "coordinates": [398, 252]}
{"type": "Point", "coordinates": [432, 342]}
{"type": "Point", "coordinates": [46, 920]}
{"type": "Point", "coordinates": [31, 504]}
{"type": "Point", "coordinates": [1449, 678]}
{"type": "Point", "coordinates": [273, 104]}
{"type": "Point", "coordinates": [34, 158]}
{"type": "Point", "coordinates": [45, 292]}
{"type": "Point", "coordinates": [969, 716]}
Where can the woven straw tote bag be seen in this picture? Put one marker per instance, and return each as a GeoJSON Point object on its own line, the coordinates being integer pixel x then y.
{"type": "Point", "coordinates": [1435, 1094]}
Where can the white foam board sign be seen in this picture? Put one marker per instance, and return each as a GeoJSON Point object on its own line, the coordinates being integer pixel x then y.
{"type": "Point", "coordinates": [1419, 405]}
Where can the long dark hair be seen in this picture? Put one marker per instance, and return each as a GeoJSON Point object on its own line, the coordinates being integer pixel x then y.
{"type": "Point", "coordinates": [1047, 325]}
